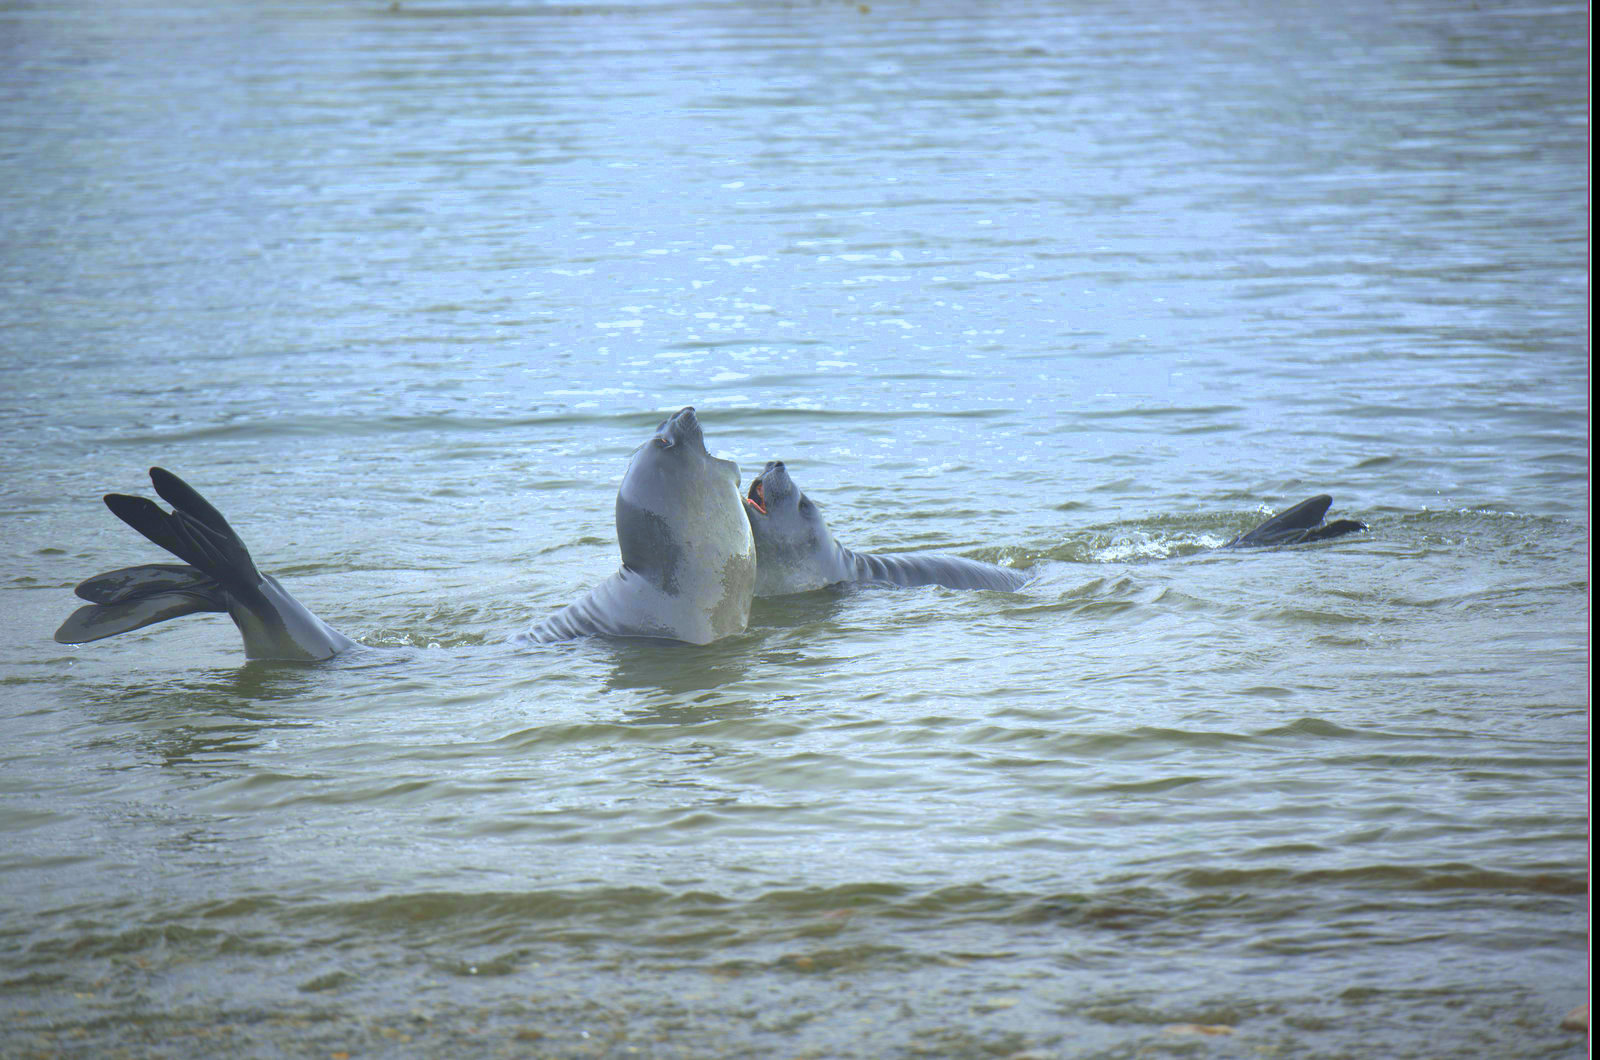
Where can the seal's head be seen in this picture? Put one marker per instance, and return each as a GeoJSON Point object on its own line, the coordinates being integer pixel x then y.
{"type": "Point", "coordinates": [679, 523]}
{"type": "Point", "coordinates": [794, 551]}
{"type": "Point", "coordinates": [675, 455]}
{"type": "Point", "coordinates": [775, 504]}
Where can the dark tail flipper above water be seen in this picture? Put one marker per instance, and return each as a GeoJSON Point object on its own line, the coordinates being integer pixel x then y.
{"type": "Point", "coordinates": [134, 597]}
{"type": "Point", "coordinates": [1297, 526]}
{"type": "Point", "coordinates": [219, 576]}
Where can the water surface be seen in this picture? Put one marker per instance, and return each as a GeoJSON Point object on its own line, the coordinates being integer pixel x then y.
{"type": "Point", "coordinates": [1087, 289]}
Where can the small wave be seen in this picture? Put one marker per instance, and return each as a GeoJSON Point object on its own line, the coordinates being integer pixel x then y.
{"type": "Point", "coordinates": [1320, 727]}
{"type": "Point", "coordinates": [1447, 877]}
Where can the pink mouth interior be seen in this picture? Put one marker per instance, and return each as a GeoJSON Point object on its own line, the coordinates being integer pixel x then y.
{"type": "Point", "coordinates": [756, 497]}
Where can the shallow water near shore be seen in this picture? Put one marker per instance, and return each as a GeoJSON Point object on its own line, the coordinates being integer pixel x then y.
{"type": "Point", "coordinates": [1082, 289]}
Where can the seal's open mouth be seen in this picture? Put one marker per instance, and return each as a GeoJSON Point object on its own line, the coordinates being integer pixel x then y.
{"type": "Point", "coordinates": [756, 498]}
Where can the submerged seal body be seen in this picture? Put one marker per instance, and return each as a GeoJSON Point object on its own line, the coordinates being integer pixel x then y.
{"type": "Point", "coordinates": [688, 558]}
{"type": "Point", "coordinates": [795, 553]}
{"type": "Point", "coordinates": [218, 575]}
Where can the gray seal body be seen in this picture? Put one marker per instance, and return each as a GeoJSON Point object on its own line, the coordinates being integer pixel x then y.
{"type": "Point", "coordinates": [217, 575]}
{"type": "Point", "coordinates": [688, 558]}
{"type": "Point", "coordinates": [795, 553]}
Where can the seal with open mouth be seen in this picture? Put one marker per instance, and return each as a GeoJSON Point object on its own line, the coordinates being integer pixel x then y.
{"type": "Point", "coordinates": [795, 553]}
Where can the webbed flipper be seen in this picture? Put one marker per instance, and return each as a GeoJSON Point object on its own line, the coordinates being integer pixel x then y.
{"type": "Point", "coordinates": [219, 575]}
{"type": "Point", "coordinates": [1297, 525]}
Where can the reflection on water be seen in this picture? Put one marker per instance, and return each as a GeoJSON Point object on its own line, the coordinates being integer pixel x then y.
{"type": "Point", "coordinates": [674, 675]}
{"type": "Point", "coordinates": [222, 717]}
{"type": "Point", "coordinates": [801, 611]}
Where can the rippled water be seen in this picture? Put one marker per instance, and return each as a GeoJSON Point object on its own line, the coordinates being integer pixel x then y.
{"type": "Point", "coordinates": [1086, 289]}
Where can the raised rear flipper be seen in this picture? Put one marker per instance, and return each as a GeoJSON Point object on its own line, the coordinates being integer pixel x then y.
{"type": "Point", "coordinates": [134, 597]}
{"type": "Point", "coordinates": [1297, 526]}
{"type": "Point", "coordinates": [220, 576]}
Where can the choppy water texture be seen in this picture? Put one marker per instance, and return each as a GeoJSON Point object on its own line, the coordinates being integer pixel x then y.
{"type": "Point", "coordinates": [1083, 288]}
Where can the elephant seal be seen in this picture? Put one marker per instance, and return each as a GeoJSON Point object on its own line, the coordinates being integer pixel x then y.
{"type": "Point", "coordinates": [1297, 526]}
{"type": "Point", "coordinates": [688, 559]}
{"type": "Point", "coordinates": [219, 575]}
{"type": "Point", "coordinates": [795, 553]}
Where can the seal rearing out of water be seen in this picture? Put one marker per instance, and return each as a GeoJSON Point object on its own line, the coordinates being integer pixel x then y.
{"type": "Point", "coordinates": [688, 559]}
{"type": "Point", "coordinates": [688, 563]}
{"type": "Point", "coordinates": [795, 553]}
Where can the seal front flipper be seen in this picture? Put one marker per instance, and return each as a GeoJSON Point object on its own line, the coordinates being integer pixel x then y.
{"type": "Point", "coordinates": [1297, 526]}
{"type": "Point", "coordinates": [219, 576]}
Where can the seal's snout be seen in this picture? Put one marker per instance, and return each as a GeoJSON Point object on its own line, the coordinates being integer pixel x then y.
{"type": "Point", "coordinates": [772, 486]}
{"type": "Point", "coordinates": [686, 422]}
{"type": "Point", "coordinates": [681, 426]}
